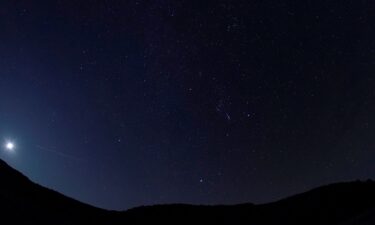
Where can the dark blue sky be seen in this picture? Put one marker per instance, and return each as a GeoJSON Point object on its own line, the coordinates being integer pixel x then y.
{"type": "Point", "coordinates": [126, 103]}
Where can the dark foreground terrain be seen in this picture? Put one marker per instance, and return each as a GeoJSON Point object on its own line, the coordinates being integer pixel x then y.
{"type": "Point", "coordinates": [24, 202]}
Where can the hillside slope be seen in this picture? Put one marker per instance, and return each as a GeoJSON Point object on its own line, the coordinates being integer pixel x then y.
{"type": "Point", "coordinates": [24, 202]}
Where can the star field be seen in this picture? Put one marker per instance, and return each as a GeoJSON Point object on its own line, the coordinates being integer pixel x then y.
{"type": "Point", "coordinates": [127, 103]}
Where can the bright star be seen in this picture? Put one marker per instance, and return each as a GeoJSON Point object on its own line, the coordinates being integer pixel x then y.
{"type": "Point", "coordinates": [9, 146]}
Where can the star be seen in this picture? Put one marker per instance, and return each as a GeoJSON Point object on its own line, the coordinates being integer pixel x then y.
{"type": "Point", "coordinates": [9, 146]}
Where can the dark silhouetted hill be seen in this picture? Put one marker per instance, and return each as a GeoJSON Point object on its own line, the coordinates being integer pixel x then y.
{"type": "Point", "coordinates": [24, 202]}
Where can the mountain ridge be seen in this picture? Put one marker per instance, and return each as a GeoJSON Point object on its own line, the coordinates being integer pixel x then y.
{"type": "Point", "coordinates": [24, 202]}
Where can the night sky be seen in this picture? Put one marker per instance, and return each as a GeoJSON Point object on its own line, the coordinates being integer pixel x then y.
{"type": "Point", "coordinates": [126, 103]}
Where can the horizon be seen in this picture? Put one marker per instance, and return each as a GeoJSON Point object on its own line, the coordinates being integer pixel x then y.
{"type": "Point", "coordinates": [218, 204]}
